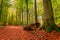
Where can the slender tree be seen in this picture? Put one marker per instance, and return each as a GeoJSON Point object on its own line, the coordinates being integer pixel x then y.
{"type": "Point", "coordinates": [1, 1]}
{"type": "Point", "coordinates": [36, 19]}
{"type": "Point", "coordinates": [27, 9]}
{"type": "Point", "coordinates": [22, 11]}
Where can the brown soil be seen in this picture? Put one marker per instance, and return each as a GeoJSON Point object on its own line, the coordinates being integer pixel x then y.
{"type": "Point", "coordinates": [17, 33]}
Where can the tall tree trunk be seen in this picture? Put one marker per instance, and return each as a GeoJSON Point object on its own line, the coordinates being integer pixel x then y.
{"type": "Point", "coordinates": [22, 12]}
{"type": "Point", "coordinates": [36, 12]}
{"type": "Point", "coordinates": [27, 9]}
{"type": "Point", "coordinates": [48, 17]}
{"type": "Point", "coordinates": [1, 1]}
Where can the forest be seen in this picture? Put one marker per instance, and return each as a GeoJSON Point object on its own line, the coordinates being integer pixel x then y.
{"type": "Point", "coordinates": [32, 17]}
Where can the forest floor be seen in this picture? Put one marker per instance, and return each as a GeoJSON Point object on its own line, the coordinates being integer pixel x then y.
{"type": "Point", "coordinates": [17, 33]}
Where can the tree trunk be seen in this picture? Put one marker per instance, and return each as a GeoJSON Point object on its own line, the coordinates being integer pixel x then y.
{"type": "Point", "coordinates": [1, 7]}
{"type": "Point", "coordinates": [27, 9]}
{"type": "Point", "coordinates": [22, 12]}
{"type": "Point", "coordinates": [36, 12]}
{"type": "Point", "coordinates": [48, 17]}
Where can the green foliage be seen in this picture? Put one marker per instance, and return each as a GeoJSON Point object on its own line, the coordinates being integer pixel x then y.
{"type": "Point", "coordinates": [56, 9]}
{"type": "Point", "coordinates": [21, 4]}
{"type": "Point", "coordinates": [49, 28]}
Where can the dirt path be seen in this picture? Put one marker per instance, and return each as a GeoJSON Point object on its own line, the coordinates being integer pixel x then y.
{"type": "Point", "coordinates": [17, 33]}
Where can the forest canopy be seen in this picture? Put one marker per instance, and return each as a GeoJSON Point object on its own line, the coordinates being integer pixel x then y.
{"type": "Point", "coordinates": [15, 11]}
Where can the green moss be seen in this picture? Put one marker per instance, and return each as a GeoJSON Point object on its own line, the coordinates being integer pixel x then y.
{"type": "Point", "coordinates": [49, 28]}
{"type": "Point", "coordinates": [56, 28]}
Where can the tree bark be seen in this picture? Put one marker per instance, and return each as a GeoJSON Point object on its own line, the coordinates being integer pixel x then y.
{"type": "Point", "coordinates": [36, 19]}
{"type": "Point", "coordinates": [27, 9]}
{"type": "Point", "coordinates": [1, 8]}
{"type": "Point", "coordinates": [48, 18]}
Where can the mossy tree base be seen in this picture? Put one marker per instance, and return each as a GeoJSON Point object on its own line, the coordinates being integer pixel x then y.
{"type": "Point", "coordinates": [50, 28]}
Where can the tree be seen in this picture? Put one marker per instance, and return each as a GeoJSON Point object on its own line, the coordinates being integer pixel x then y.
{"type": "Point", "coordinates": [27, 9]}
{"type": "Point", "coordinates": [1, 1]}
{"type": "Point", "coordinates": [3, 11]}
{"type": "Point", "coordinates": [22, 10]}
{"type": "Point", "coordinates": [36, 12]}
{"type": "Point", "coordinates": [48, 18]}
